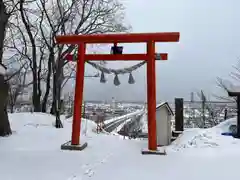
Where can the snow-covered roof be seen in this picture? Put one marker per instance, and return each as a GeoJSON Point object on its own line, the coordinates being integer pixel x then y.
{"type": "Point", "coordinates": [165, 104]}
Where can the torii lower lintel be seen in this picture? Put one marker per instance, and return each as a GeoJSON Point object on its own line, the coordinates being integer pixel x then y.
{"type": "Point", "coordinates": [150, 39]}
{"type": "Point", "coordinates": [118, 57]}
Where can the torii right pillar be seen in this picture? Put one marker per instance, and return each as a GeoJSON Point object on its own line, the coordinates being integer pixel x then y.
{"type": "Point", "coordinates": [151, 97]}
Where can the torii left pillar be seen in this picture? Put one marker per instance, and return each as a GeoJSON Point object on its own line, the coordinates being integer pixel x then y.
{"type": "Point", "coordinates": [76, 125]}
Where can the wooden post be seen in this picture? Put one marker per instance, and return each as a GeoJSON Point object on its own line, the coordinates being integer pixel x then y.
{"type": "Point", "coordinates": [238, 116]}
{"type": "Point", "coordinates": [236, 94]}
{"type": "Point", "coordinates": [179, 119]}
{"type": "Point", "coordinates": [225, 113]}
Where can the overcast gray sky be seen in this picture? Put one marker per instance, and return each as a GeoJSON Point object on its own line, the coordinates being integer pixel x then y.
{"type": "Point", "coordinates": [209, 47]}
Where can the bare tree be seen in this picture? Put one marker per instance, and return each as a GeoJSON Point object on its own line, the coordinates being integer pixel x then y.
{"type": "Point", "coordinates": [33, 33]}
{"type": "Point", "coordinates": [225, 85]}
{"type": "Point", "coordinates": [7, 7]}
{"type": "Point", "coordinates": [5, 128]}
{"type": "Point", "coordinates": [63, 17]}
{"type": "Point", "coordinates": [211, 109]}
{"type": "Point", "coordinates": [27, 43]}
{"type": "Point", "coordinates": [202, 121]}
{"type": "Point", "coordinates": [77, 17]}
{"type": "Point", "coordinates": [18, 85]}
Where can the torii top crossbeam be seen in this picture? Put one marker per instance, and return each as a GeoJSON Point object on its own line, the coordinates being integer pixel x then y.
{"type": "Point", "coordinates": [119, 38]}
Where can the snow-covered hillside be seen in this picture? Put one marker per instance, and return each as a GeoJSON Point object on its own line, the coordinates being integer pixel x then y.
{"type": "Point", "coordinates": [33, 153]}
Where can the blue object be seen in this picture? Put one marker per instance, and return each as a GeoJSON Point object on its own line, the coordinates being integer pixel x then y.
{"type": "Point", "coordinates": [227, 134]}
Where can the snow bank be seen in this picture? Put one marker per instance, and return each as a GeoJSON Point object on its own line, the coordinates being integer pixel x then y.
{"type": "Point", "coordinates": [86, 125]}
{"type": "Point", "coordinates": [224, 126]}
{"type": "Point", "coordinates": [195, 138]}
{"type": "Point", "coordinates": [37, 120]}
{"type": "Point", "coordinates": [31, 119]}
{"type": "Point", "coordinates": [205, 138]}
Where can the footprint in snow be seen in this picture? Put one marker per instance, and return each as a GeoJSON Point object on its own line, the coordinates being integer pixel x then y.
{"type": "Point", "coordinates": [89, 172]}
{"type": "Point", "coordinates": [74, 177]}
{"type": "Point", "coordinates": [89, 168]}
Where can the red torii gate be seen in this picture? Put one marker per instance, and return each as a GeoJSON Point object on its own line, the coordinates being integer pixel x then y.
{"type": "Point", "coordinates": [150, 39]}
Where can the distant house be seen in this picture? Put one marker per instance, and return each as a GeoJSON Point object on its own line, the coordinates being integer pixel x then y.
{"type": "Point", "coordinates": [164, 116]}
{"type": "Point", "coordinates": [165, 105]}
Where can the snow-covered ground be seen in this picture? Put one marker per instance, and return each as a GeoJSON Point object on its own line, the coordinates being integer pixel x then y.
{"type": "Point", "coordinates": [33, 153]}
